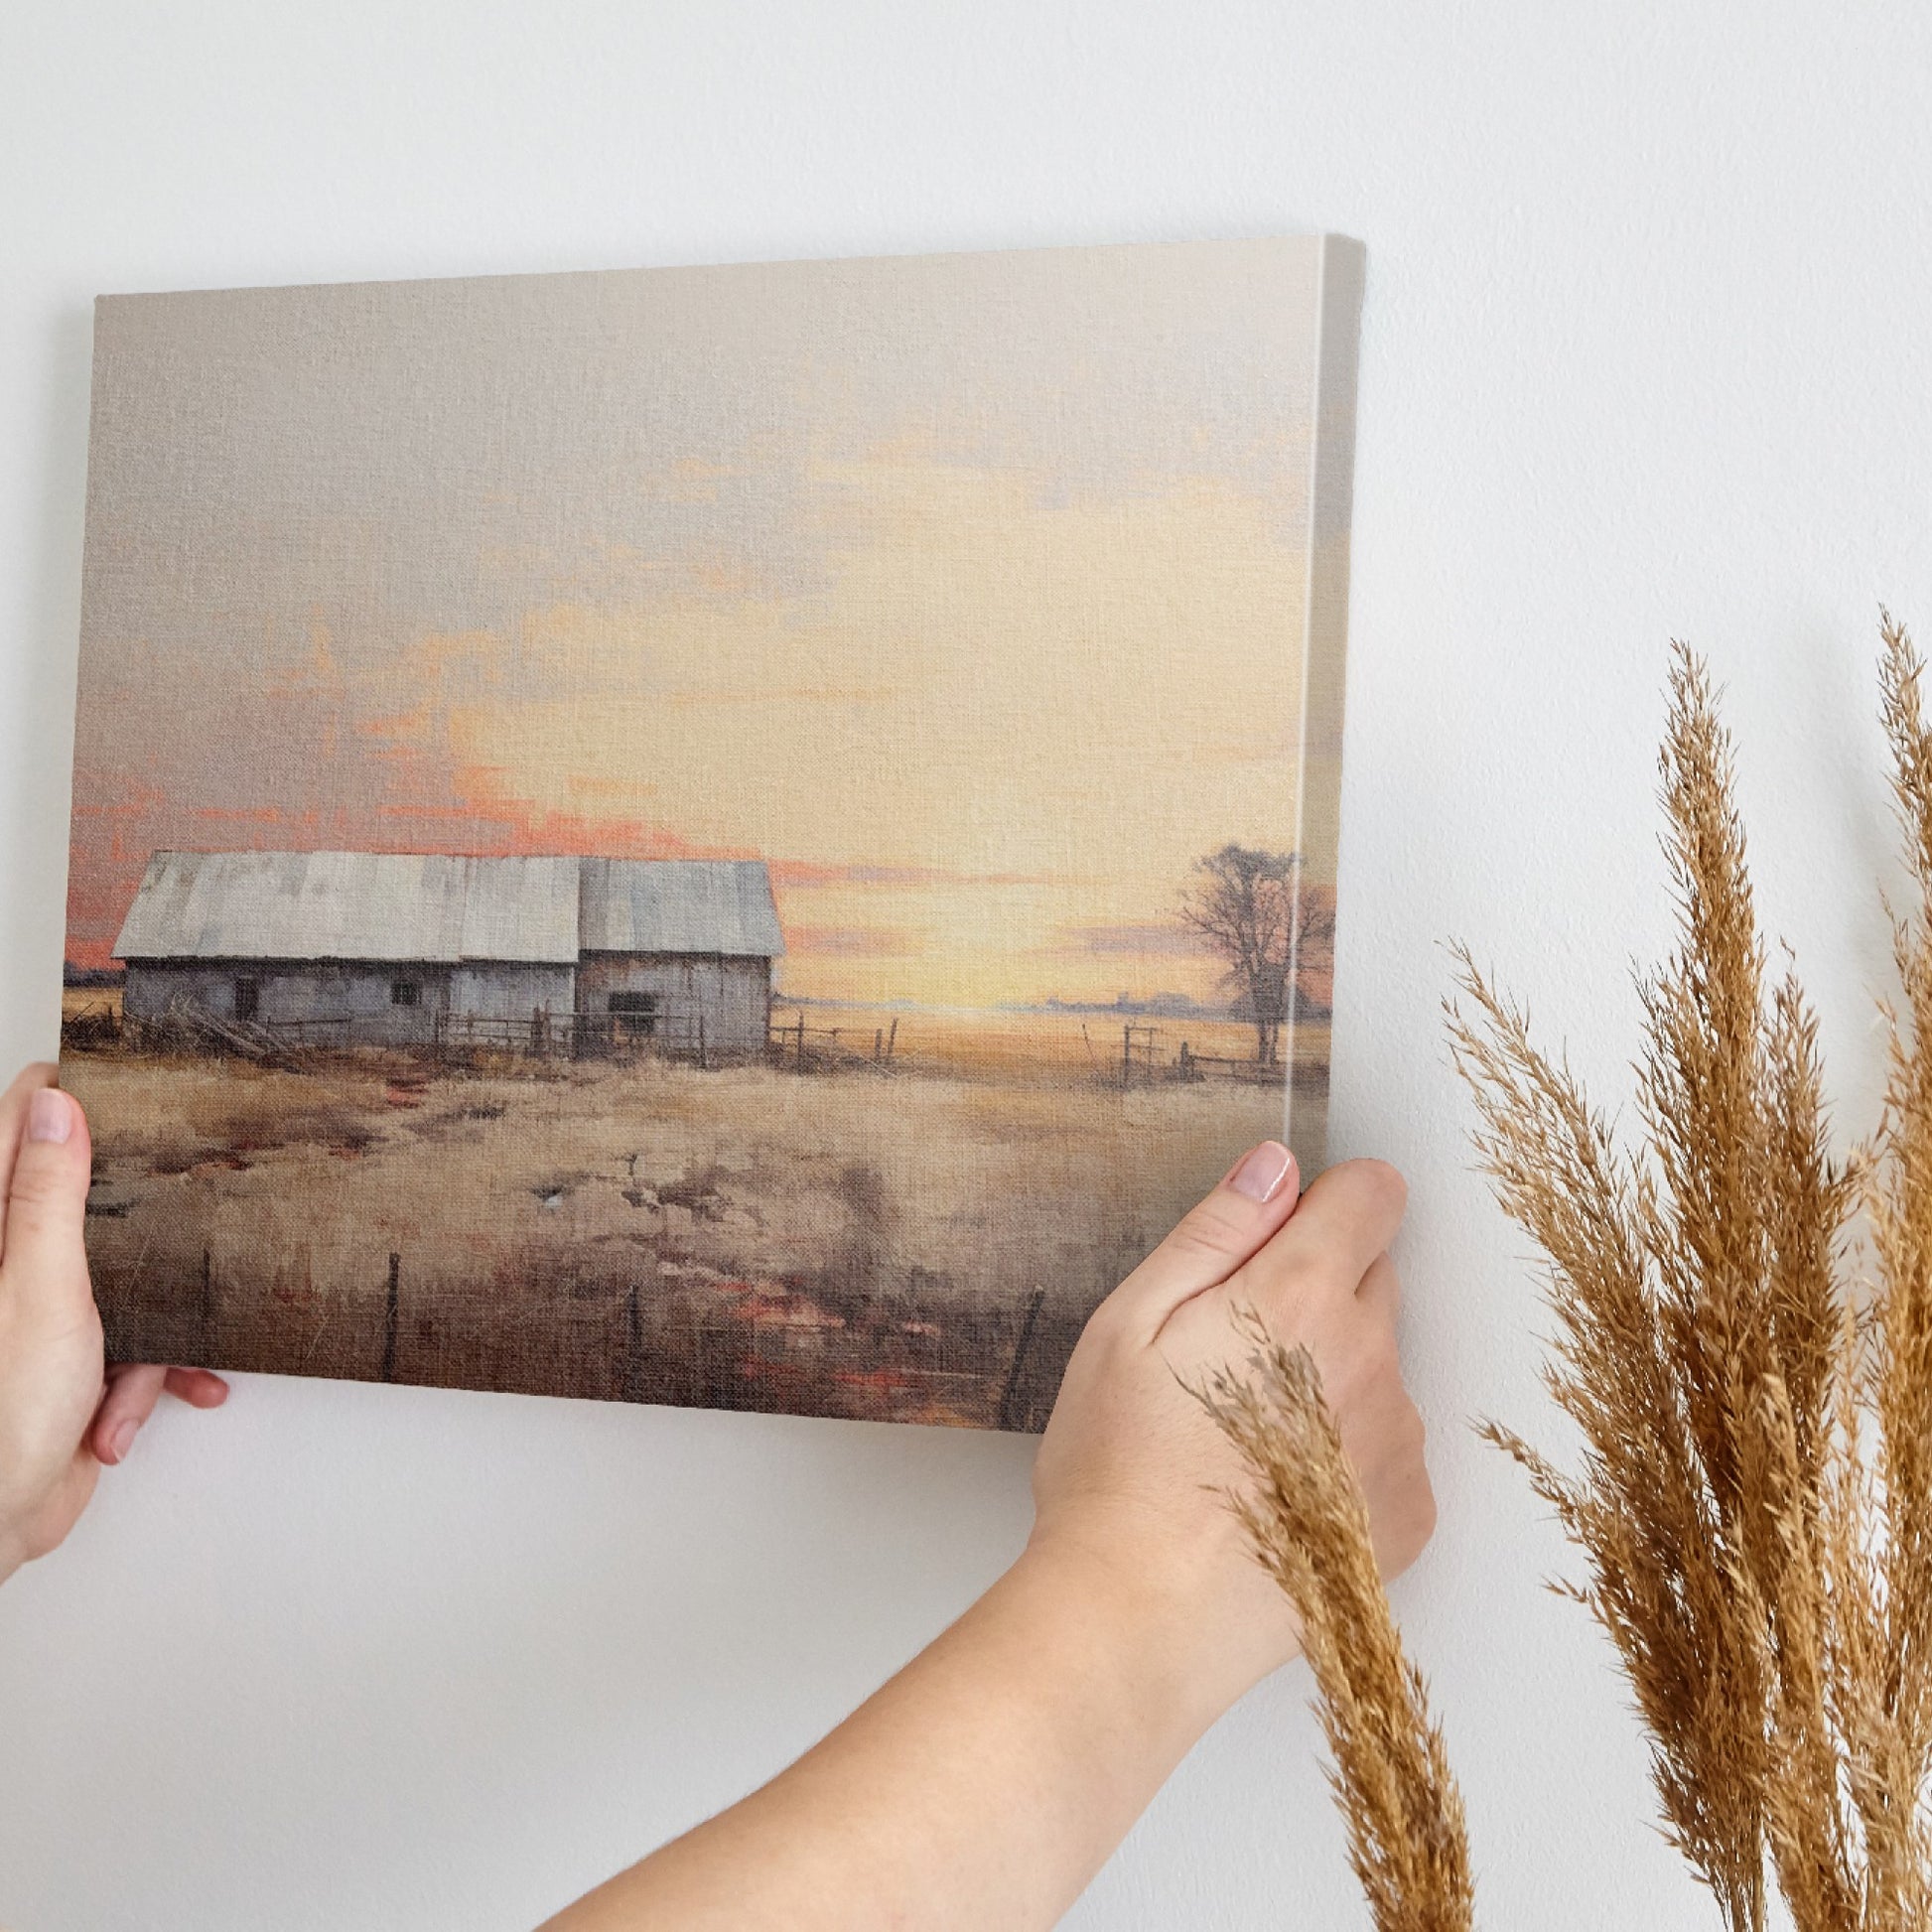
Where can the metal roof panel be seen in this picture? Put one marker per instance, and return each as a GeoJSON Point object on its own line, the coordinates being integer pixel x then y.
{"type": "Point", "coordinates": [394, 905]}
{"type": "Point", "coordinates": [694, 905]}
{"type": "Point", "coordinates": [379, 905]}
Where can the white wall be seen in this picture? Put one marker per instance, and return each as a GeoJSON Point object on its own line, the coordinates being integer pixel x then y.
{"type": "Point", "coordinates": [1645, 353]}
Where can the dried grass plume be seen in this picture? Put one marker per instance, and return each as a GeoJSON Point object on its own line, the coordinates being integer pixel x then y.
{"type": "Point", "coordinates": [1753, 1503]}
{"type": "Point", "coordinates": [1307, 1521]}
{"type": "Point", "coordinates": [1753, 1388]}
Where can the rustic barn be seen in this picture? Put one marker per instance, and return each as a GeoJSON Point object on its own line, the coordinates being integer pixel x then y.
{"type": "Point", "coordinates": [671, 948]}
{"type": "Point", "coordinates": [401, 949]}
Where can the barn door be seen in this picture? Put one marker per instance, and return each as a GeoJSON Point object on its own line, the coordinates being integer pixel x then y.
{"type": "Point", "coordinates": [634, 1015]}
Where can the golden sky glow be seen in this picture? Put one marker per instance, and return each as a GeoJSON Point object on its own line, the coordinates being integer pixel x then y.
{"type": "Point", "coordinates": [980, 654]}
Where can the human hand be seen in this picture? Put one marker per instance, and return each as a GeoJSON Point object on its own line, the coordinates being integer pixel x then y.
{"type": "Point", "coordinates": [1044, 1720]}
{"type": "Point", "coordinates": [64, 1412]}
{"type": "Point", "coordinates": [1132, 1471]}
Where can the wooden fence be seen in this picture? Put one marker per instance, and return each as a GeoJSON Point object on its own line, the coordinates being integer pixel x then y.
{"type": "Point", "coordinates": [1144, 1057]}
{"type": "Point", "coordinates": [581, 1036]}
{"type": "Point", "coordinates": [1191, 1066]}
{"type": "Point", "coordinates": [793, 1043]}
{"type": "Point", "coordinates": [451, 1037]}
{"type": "Point", "coordinates": [1142, 1053]}
{"type": "Point", "coordinates": [605, 1335]}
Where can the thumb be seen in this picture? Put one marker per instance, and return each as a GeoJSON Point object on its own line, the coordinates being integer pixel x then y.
{"type": "Point", "coordinates": [1254, 1198]}
{"type": "Point", "coordinates": [44, 1259]}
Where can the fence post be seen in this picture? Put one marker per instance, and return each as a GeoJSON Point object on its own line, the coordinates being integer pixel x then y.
{"type": "Point", "coordinates": [393, 1318]}
{"type": "Point", "coordinates": [208, 1292]}
{"type": "Point", "coordinates": [633, 1360]}
{"type": "Point", "coordinates": [704, 1064]}
{"type": "Point", "coordinates": [1125, 1055]}
{"type": "Point", "coordinates": [801, 1040]}
{"type": "Point", "coordinates": [1010, 1395]}
{"type": "Point", "coordinates": [878, 1045]}
{"type": "Point", "coordinates": [892, 1039]}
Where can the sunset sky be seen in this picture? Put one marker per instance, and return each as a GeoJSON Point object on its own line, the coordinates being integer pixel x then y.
{"type": "Point", "coordinates": [966, 590]}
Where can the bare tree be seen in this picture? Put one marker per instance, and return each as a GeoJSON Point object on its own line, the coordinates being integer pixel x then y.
{"type": "Point", "coordinates": [1265, 924]}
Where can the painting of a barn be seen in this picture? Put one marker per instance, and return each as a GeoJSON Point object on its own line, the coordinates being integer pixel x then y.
{"type": "Point", "coordinates": [402, 949]}
{"type": "Point", "coordinates": [913, 691]}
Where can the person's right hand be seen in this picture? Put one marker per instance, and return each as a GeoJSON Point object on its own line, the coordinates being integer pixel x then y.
{"type": "Point", "coordinates": [1131, 1472]}
{"type": "Point", "coordinates": [986, 1783]}
{"type": "Point", "coordinates": [64, 1412]}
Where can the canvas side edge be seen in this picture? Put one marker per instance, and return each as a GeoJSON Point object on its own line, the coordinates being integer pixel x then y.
{"type": "Point", "coordinates": [1326, 630]}
{"type": "Point", "coordinates": [92, 484]}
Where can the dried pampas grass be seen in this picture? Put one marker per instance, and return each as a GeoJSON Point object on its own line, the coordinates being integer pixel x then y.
{"type": "Point", "coordinates": [1753, 1391]}
{"type": "Point", "coordinates": [1755, 1497]}
{"type": "Point", "coordinates": [1308, 1525]}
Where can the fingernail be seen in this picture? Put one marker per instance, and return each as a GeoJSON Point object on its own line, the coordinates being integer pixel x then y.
{"type": "Point", "coordinates": [122, 1440]}
{"type": "Point", "coordinates": [50, 1115]}
{"type": "Point", "coordinates": [1261, 1174]}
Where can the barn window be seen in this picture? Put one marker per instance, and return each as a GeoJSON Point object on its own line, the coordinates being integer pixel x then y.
{"type": "Point", "coordinates": [634, 1013]}
{"type": "Point", "coordinates": [405, 993]}
{"type": "Point", "coordinates": [247, 999]}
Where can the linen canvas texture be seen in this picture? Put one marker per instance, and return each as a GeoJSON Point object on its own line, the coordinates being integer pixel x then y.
{"type": "Point", "coordinates": [740, 836]}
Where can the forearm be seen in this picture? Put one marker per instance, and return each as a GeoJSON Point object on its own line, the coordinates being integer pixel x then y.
{"type": "Point", "coordinates": [990, 1779]}
{"type": "Point", "coordinates": [984, 1785]}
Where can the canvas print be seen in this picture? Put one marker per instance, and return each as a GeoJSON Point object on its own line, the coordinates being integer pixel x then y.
{"type": "Point", "coordinates": [738, 836]}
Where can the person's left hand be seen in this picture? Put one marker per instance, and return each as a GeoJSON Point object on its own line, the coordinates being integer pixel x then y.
{"type": "Point", "coordinates": [64, 1412]}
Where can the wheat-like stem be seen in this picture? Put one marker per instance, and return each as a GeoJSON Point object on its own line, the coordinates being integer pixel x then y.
{"type": "Point", "coordinates": [1755, 1497]}
{"type": "Point", "coordinates": [1308, 1522]}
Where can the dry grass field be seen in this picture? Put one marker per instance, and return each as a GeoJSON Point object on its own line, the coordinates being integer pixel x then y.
{"type": "Point", "coordinates": [83, 1001]}
{"type": "Point", "coordinates": [916, 1245]}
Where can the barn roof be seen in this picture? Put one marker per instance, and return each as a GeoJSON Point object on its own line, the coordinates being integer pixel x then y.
{"type": "Point", "coordinates": [352, 906]}
{"type": "Point", "coordinates": [437, 907]}
{"type": "Point", "coordinates": [704, 905]}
